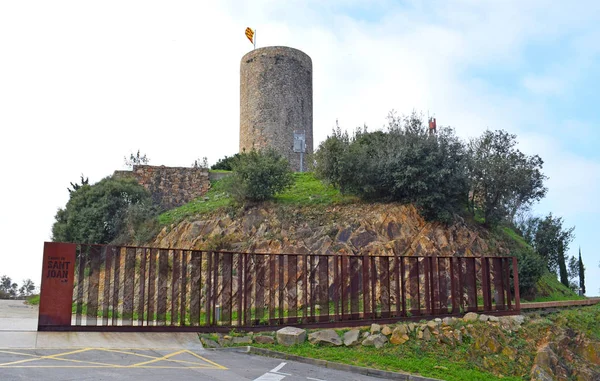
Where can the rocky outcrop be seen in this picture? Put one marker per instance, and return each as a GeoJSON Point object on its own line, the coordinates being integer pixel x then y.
{"type": "Point", "coordinates": [377, 229]}
{"type": "Point", "coordinates": [567, 355]}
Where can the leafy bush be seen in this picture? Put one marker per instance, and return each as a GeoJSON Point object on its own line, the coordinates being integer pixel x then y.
{"type": "Point", "coordinates": [99, 213]}
{"type": "Point", "coordinates": [531, 269]}
{"type": "Point", "coordinates": [405, 164]}
{"type": "Point", "coordinates": [225, 163]}
{"type": "Point", "coordinates": [259, 175]}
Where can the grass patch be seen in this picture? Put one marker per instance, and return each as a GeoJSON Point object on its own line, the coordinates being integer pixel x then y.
{"type": "Point", "coordinates": [219, 171]}
{"type": "Point", "coordinates": [308, 190]}
{"type": "Point", "coordinates": [581, 319]}
{"type": "Point", "coordinates": [548, 289]}
{"type": "Point", "coordinates": [510, 233]}
{"type": "Point", "coordinates": [417, 357]}
{"type": "Point", "coordinates": [33, 300]}
{"type": "Point", "coordinates": [216, 198]}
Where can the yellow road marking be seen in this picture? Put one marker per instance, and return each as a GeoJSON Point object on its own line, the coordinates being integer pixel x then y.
{"type": "Point", "coordinates": [92, 364]}
{"type": "Point", "coordinates": [120, 367]}
{"type": "Point", "coordinates": [51, 357]}
{"type": "Point", "coordinates": [18, 353]}
{"type": "Point", "coordinates": [207, 360]}
{"type": "Point", "coordinates": [166, 357]}
{"type": "Point", "coordinates": [154, 358]}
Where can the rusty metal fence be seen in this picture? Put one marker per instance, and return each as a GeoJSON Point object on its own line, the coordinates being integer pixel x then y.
{"type": "Point", "coordinates": [136, 288]}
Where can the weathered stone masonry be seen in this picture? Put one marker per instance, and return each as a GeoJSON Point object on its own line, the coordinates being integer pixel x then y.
{"type": "Point", "coordinates": [276, 100]}
{"type": "Point", "coordinates": [170, 186]}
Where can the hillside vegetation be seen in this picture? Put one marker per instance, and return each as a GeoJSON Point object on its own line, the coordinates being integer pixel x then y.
{"type": "Point", "coordinates": [408, 190]}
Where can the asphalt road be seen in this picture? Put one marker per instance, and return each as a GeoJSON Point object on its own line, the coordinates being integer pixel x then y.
{"type": "Point", "coordinates": [29, 355]}
{"type": "Point", "coordinates": [156, 365]}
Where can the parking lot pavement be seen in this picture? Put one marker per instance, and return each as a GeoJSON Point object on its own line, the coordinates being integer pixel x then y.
{"type": "Point", "coordinates": [56, 356]}
{"type": "Point", "coordinates": [15, 315]}
{"type": "Point", "coordinates": [156, 365]}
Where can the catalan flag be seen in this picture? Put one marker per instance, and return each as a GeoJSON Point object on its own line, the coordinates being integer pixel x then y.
{"type": "Point", "coordinates": [250, 35]}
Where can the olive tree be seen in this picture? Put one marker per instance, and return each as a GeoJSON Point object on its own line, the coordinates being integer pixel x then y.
{"type": "Point", "coordinates": [503, 179]}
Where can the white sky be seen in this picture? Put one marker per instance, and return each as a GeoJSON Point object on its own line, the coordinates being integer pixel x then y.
{"type": "Point", "coordinates": [85, 83]}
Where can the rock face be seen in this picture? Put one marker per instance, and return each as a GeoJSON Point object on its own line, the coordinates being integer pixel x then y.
{"type": "Point", "coordinates": [566, 356]}
{"type": "Point", "coordinates": [289, 336]}
{"type": "Point", "coordinates": [376, 229]}
{"type": "Point", "coordinates": [325, 337]}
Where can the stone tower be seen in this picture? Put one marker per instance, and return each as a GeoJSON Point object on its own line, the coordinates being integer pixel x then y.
{"type": "Point", "coordinates": [276, 100]}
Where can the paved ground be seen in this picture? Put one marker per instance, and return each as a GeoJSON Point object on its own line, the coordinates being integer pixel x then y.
{"type": "Point", "coordinates": [17, 316]}
{"type": "Point", "coordinates": [29, 355]}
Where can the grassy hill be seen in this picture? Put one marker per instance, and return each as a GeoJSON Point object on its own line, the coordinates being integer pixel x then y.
{"type": "Point", "coordinates": [308, 197]}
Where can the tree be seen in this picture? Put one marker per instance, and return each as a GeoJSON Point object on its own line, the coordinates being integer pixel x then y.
{"type": "Point", "coordinates": [581, 274]}
{"type": "Point", "coordinates": [97, 213]}
{"type": "Point", "coordinates": [74, 187]}
{"type": "Point", "coordinates": [573, 272]}
{"type": "Point", "coordinates": [548, 237]}
{"type": "Point", "coordinates": [137, 159]}
{"type": "Point", "coordinates": [259, 175]}
{"type": "Point", "coordinates": [200, 163]}
{"type": "Point", "coordinates": [5, 286]}
{"type": "Point", "coordinates": [503, 179]}
{"type": "Point", "coordinates": [27, 288]}
{"type": "Point", "coordinates": [331, 158]}
{"type": "Point", "coordinates": [225, 163]}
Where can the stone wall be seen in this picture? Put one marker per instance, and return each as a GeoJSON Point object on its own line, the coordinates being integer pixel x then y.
{"type": "Point", "coordinates": [170, 186]}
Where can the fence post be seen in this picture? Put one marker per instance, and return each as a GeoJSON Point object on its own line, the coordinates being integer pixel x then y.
{"type": "Point", "coordinates": [516, 284]}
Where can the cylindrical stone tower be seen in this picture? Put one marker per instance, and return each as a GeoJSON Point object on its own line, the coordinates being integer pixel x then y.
{"type": "Point", "coordinates": [276, 101]}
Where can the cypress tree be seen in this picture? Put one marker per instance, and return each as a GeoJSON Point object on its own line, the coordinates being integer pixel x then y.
{"type": "Point", "coordinates": [562, 267]}
{"type": "Point", "coordinates": [581, 274]}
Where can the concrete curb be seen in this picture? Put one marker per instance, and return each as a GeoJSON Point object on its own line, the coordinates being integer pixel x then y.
{"type": "Point", "coordinates": [327, 364]}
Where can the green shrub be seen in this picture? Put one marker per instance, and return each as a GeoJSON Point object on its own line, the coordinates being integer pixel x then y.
{"type": "Point", "coordinates": [405, 164]}
{"type": "Point", "coordinates": [99, 213]}
{"type": "Point", "coordinates": [259, 175]}
{"type": "Point", "coordinates": [225, 163]}
{"type": "Point", "coordinates": [531, 269]}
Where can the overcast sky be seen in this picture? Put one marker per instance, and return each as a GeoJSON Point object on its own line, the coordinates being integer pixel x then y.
{"type": "Point", "coordinates": [85, 83]}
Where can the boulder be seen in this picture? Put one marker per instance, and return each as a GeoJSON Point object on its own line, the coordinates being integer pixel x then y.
{"type": "Point", "coordinates": [242, 340]}
{"type": "Point", "coordinates": [470, 316]}
{"type": "Point", "coordinates": [483, 317]}
{"type": "Point", "coordinates": [366, 334]}
{"type": "Point", "coordinates": [208, 343]}
{"type": "Point", "coordinates": [289, 336]}
{"type": "Point", "coordinates": [325, 337]}
{"type": "Point", "coordinates": [377, 340]}
{"type": "Point", "coordinates": [432, 325]}
{"type": "Point", "coordinates": [375, 328]}
{"type": "Point", "coordinates": [386, 330]}
{"type": "Point", "coordinates": [264, 339]}
{"type": "Point", "coordinates": [448, 339]}
{"type": "Point", "coordinates": [494, 319]}
{"type": "Point", "coordinates": [448, 320]}
{"type": "Point", "coordinates": [399, 336]}
{"type": "Point", "coordinates": [458, 336]}
{"type": "Point", "coordinates": [403, 328]}
{"type": "Point", "coordinates": [426, 335]}
{"type": "Point", "coordinates": [351, 338]}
